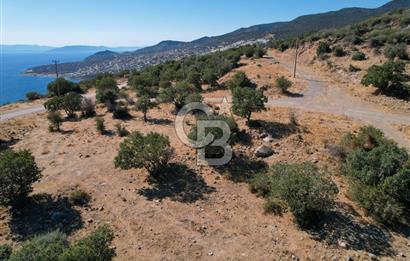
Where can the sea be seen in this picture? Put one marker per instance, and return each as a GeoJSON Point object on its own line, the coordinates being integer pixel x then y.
{"type": "Point", "coordinates": [14, 85]}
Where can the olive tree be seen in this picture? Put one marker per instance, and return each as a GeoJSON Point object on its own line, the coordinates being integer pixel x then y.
{"type": "Point", "coordinates": [247, 100]}
{"type": "Point", "coordinates": [144, 104]}
{"type": "Point", "coordinates": [151, 151]}
{"type": "Point", "coordinates": [18, 171]}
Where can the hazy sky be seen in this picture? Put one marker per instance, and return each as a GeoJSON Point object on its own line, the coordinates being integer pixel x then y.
{"type": "Point", "coordinates": [146, 22]}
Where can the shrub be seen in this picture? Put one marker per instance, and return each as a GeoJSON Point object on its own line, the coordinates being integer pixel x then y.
{"type": "Point", "coordinates": [338, 51]}
{"type": "Point", "coordinates": [247, 100]}
{"type": "Point", "coordinates": [215, 151]}
{"type": "Point", "coordinates": [249, 51]}
{"type": "Point", "coordinates": [358, 56]}
{"type": "Point", "coordinates": [353, 68]}
{"type": "Point", "coordinates": [194, 97]}
{"type": "Point", "coordinates": [107, 90]}
{"type": "Point", "coordinates": [46, 247]}
{"type": "Point", "coordinates": [283, 84]}
{"type": "Point", "coordinates": [94, 247]}
{"type": "Point", "coordinates": [79, 198]}
{"type": "Point", "coordinates": [307, 192]}
{"type": "Point", "coordinates": [152, 152]}
{"type": "Point", "coordinates": [380, 173]}
{"type": "Point", "coordinates": [144, 104]}
{"type": "Point", "coordinates": [323, 48]}
{"type": "Point", "coordinates": [399, 51]}
{"type": "Point", "coordinates": [388, 78]}
{"type": "Point", "coordinates": [383, 207]}
{"type": "Point", "coordinates": [18, 171]}
{"type": "Point", "coordinates": [99, 123]}
{"type": "Point", "coordinates": [239, 79]}
{"type": "Point", "coordinates": [87, 107]}
{"type": "Point", "coordinates": [274, 205]}
{"type": "Point", "coordinates": [376, 42]}
{"type": "Point", "coordinates": [5, 252]}
{"type": "Point", "coordinates": [55, 246]}
{"type": "Point", "coordinates": [62, 86]}
{"type": "Point", "coordinates": [121, 130]}
{"type": "Point", "coordinates": [31, 96]}
{"type": "Point", "coordinates": [54, 104]}
{"type": "Point", "coordinates": [121, 112]}
{"type": "Point", "coordinates": [259, 52]}
{"type": "Point", "coordinates": [55, 119]}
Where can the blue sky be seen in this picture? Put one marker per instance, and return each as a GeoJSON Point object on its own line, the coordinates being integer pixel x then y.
{"type": "Point", "coordinates": [146, 22]}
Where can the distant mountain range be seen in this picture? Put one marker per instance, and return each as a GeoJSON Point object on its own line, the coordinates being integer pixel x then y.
{"type": "Point", "coordinates": [166, 50]}
{"type": "Point", "coordinates": [87, 49]}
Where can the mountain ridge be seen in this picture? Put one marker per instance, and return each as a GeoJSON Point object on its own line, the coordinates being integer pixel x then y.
{"type": "Point", "coordinates": [170, 49]}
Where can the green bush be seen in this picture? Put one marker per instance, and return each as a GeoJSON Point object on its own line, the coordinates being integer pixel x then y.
{"type": "Point", "coordinates": [152, 152]}
{"type": "Point", "coordinates": [213, 151]}
{"type": "Point", "coordinates": [121, 112]}
{"type": "Point", "coordinates": [389, 79]}
{"type": "Point", "coordinates": [18, 172]}
{"type": "Point", "coordinates": [79, 198]}
{"type": "Point", "coordinates": [353, 68]}
{"type": "Point", "coordinates": [54, 246]}
{"type": "Point", "coordinates": [55, 119]}
{"type": "Point", "coordinates": [31, 96]}
{"type": "Point", "coordinates": [46, 247]}
{"type": "Point", "coordinates": [121, 130]}
{"type": "Point", "coordinates": [94, 247]}
{"type": "Point", "coordinates": [399, 51]}
{"type": "Point", "coordinates": [338, 51]}
{"type": "Point", "coordinates": [380, 173]}
{"type": "Point", "coordinates": [107, 90]}
{"type": "Point", "coordinates": [358, 56]}
{"type": "Point", "coordinates": [239, 79]}
{"type": "Point", "coordinates": [5, 252]}
{"type": "Point", "coordinates": [245, 101]}
{"type": "Point", "coordinates": [259, 52]}
{"type": "Point", "coordinates": [307, 193]}
{"type": "Point", "coordinates": [70, 103]}
{"type": "Point", "coordinates": [99, 123]}
{"type": "Point", "coordinates": [283, 84]}
{"type": "Point", "coordinates": [323, 48]}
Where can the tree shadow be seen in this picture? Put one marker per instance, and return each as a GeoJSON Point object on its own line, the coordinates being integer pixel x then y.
{"type": "Point", "coordinates": [241, 168]}
{"type": "Point", "coordinates": [293, 94]}
{"type": "Point", "coordinates": [6, 144]}
{"type": "Point", "coordinates": [179, 183]}
{"type": "Point", "coordinates": [277, 130]}
{"type": "Point", "coordinates": [339, 227]}
{"type": "Point", "coordinates": [244, 138]}
{"type": "Point", "coordinates": [160, 121]}
{"type": "Point", "coordinates": [43, 213]}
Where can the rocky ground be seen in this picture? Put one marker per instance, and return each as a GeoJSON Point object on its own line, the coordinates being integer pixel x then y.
{"type": "Point", "coordinates": [198, 214]}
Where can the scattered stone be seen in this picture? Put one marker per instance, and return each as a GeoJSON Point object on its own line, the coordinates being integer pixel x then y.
{"type": "Point", "coordinates": [342, 244]}
{"type": "Point", "coordinates": [101, 208]}
{"type": "Point", "coordinates": [372, 256]}
{"type": "Point", "coordinates": [90, 220]}
{"type": "Point", "coordinates": [263, 151]}
{"type": "Point", "coordinates": [295, 258]}
{"type": "Point", "coordinates": [349, 258]}
{"type": "Point", "coordinates": [268, 139]}
{"type": "Point", "coordinates": [263, 135]}
{"type": "Point", "coordinates": [401, 255]}
{"type": "Point", "coordinates": [210, 254]}
{"type": "Point", "coordinates": [335, 258]}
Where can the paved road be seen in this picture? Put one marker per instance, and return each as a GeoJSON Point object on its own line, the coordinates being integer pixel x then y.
{"type": "Point", "coordinates": [27, 111]}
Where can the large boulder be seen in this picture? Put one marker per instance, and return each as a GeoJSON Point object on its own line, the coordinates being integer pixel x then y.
{"type": "Point", "coordinates": [263, 151]}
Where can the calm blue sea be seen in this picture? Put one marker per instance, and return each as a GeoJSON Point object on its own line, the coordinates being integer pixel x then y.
{"type": "Point", "coordinates": [14, 86]}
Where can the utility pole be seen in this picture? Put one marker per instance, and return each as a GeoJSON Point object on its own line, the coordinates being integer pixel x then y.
{"type": "Point", "coordinates": [296, 58]}
{"type": "Point", "coordinates": [56, 68]}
